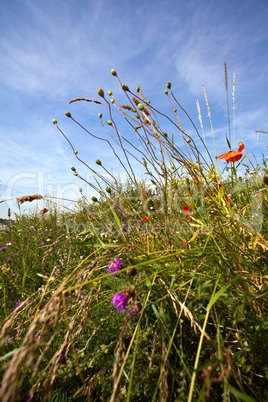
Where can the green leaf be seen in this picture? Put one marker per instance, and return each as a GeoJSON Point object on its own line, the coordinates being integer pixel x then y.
{"type": "Point", "coordinates": [217, 296]}
{"type": "Point", "coordinates": [240, 395]}
{"type": "Point", "coordinates": [9, 354]}
{"type": "Point", "coordinates": [156, 312]}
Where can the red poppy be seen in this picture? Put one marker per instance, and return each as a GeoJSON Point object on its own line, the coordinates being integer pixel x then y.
{"type": "Point", "coordinates": [144, 218]}
{"type": "Point", "coordinates": [229, 200]}
{"type": "Point", "coordinates": [186, 208]}
{"type": "Point", "coordinates": [233, 156]}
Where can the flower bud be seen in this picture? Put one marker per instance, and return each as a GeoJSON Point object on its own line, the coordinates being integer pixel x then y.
{"type": "Point", "coordinates": [174, 110]}
{"type": "Point", "coordinates": [129, 292]}
{"type": "Point", "coordinates": [75, 173]}
{"type": "Point", "coordinates": [100, 115]}
{"type": "Point", "coordinates": [125, 87]}
{"type": "Point", "coordinates": [73, 169]}
{"type": "Point", "coordinates": [265, 179]}
{"type": "Point", "coordinates": [109, 122]}
{"type": "Point", "coordinates": [80, 190]}
{"type": "Point", "coordinates": [165, 91]}
{"type": "Point", "coordinates": [108, 189]}
{"type": "Point", "coordinates": [188, 140]}
{"type": "Point", "coordinates": [112, 100]}
{"type": "Point", "coordinates": [168, 85]}
{"type": "Point", "coordinates": [140, 106]}
{"type": "Point", "coordinates": [138, 307]}
{"type": "Point", "coordinates": [54, 121]}
{"type": "Point", "coordinates": [68, 114]}
{"type": "Point", "coordinates": [110, 93]}
{"type": "Point", "coordinates": [131, 272]}
{"type": "Point", "coordinates": [100, 92]}
{"type": "Point", "coordinates": [113, 72]}
{"type": "Point", "coordinates": [137, 89]}
{"type": "Point", "coordinates": [76, 152]}
{"type": "Point", "coordinates": [94, 199]}
{"type": "Point", "coordinates": [98, 162]}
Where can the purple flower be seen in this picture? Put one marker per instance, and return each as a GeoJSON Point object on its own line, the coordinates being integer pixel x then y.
{"type": "Point", "coordinates": [114, 266]}
{"type": "Point", "coordinates": [120, 301]}
{"type": "Point", "coordinates": [57, 272]}
{"type": "Point", "coordinates": [2, 248]}
{"type": "Point", "coordinates": [132, 311]}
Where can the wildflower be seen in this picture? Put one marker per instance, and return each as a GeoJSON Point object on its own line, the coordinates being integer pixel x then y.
{"type": "Point", "coordinates": [133, 310]}
{"type": "Point", "coordinates": [2, 248]}
{"type": "Point", "coordinates": [120, 301]}
{"type": "Point", "coordinates": [186, 208]}
{"type": "Point", "coordinates": [114, 266]}
{"type": "Point", "coordinates": [233, 156]}
{"type": "Point", "coordinates": [144, 218]}
{"type": "Point", "coordinates": [229, 201]}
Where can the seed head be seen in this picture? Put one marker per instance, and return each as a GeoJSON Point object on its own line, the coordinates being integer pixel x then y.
{"type": "Point", "coordinates": [100, 115]}
{"type": "Point", "coordinates": [265, 179]}
{"type": "Point", "coordinates": [140, 106]}
{"type": "Point", "coordinates": [109, 122]}
{"type": "Point", "coordinates": [76, 152]}
{"type": "Point", "coordinates": [68, 114]}
{"type": "Point", "coordinates": [54, 121]}
{"type": "Point", "coordinates": [168, 85]}
{"type": "Point", "coordinates": [94, 199]}
{"type": "Point", "coordinates": [112, 100]}
{"type": "Point", "coordinates": [108, 189]}
{"type": "Point", "coordinates": [110, 93]}
{"type": "Point", "coordinates": [166, 91]}
{"type": "Point", "coordinates": [113, 72]}
{"type": "Point", "coordinates": [100, 92]}
{"type": "Point", "coordinates": [73, 169]}
{"type": "Point", "coordinates": [98, 162]}
{"type": "Point", "coordinates": [137, 89]}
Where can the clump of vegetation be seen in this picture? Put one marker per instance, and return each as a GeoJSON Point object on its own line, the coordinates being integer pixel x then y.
{"type": "Point", "coordinates": [154, 289]}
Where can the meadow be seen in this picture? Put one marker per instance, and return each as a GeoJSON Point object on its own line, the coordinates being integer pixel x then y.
{"type": "Point", "coordinates": [154, 289]}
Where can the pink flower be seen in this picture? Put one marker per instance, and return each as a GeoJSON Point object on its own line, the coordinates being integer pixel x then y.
{"type": "Point", "coordinates": [114, 266]}
{"type": "Point", "coordinates": [120, 301]}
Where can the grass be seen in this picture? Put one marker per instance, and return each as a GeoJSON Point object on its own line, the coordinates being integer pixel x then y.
{"type": "Point", "coordinates": [146, 292]}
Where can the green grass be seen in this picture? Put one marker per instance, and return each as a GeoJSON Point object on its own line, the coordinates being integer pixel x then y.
{"type": "Point", "coordinates": [194, 273]}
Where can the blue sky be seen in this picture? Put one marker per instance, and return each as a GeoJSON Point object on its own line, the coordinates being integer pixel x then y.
{"type": "Point", "coordinates": [54, 51]}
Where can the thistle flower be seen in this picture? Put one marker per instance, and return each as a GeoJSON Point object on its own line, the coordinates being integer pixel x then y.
{"type": "Point", "coordinates": [133, 310]}
{"type": "Point", "coordinates": [120, 301]}
{"type": "Point", "coordinates": [114, 266]}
